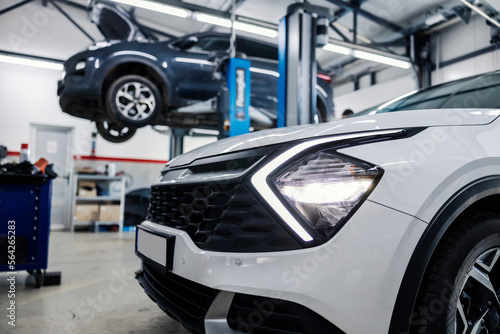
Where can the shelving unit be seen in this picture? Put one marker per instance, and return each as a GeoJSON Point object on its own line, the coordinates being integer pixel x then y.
{"type": "Point", "coordinates": [100, 200]}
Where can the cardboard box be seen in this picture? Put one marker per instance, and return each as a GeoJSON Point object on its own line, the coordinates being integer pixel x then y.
{"type": "Point", "coordinates": [87, 189]}
{"type": "Point", "coordinates": [86, 212]}
{"type": "Point", "coordinates": [109, 213]}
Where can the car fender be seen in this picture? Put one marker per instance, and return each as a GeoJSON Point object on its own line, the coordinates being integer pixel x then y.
{"type": "Point", "coordinates": [468, 195]}
{"type": "Point", "coordinates": [452, 167]}
{"type": "Point", "coordinates": [121, 57]}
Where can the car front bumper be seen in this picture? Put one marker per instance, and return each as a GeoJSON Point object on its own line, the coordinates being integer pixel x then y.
{"type": "Point", "coordinates": [352, 281]}
{"type": "Point", "coordinates": [79, 96]}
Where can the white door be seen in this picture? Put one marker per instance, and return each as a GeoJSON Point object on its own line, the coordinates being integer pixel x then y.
{"type": "Point", "coordinates": [55, 144]}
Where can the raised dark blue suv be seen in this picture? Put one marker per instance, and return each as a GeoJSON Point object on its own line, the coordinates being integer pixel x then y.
{"type": "Point", "coordinates": [131, 80]}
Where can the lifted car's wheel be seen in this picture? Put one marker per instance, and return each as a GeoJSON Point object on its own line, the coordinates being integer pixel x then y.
{"type": "Point", "coordinates": [460, 291]}
{"type": "Point", "coordinates": [133, 100]}
{"type": "Point", "coordinates": [319, 115]}
{"type": "Point", "coordinates": [317, 118]}
{"type": "Point", "coordinates": [114, 132]}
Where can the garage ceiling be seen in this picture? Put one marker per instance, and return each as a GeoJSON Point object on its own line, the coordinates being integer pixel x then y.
{"type": "Point", "coordinates": [37, 28]}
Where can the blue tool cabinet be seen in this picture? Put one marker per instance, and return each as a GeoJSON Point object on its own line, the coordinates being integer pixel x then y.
{"type": "Point", "coordinates": [25, 200]}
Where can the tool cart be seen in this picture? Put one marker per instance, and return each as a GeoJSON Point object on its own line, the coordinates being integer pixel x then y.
{"type": "Point", "coordinates": [25, 202]}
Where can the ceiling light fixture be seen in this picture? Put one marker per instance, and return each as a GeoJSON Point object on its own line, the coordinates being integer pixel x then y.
{"type": "Point", "coordinates": [338, 49]}
{"type": "Point", "coordinates": [367, 53]}
{"type": "Point", "coordinates": [157, 7]}
{"type": "Point", "coordinates": [242, 26]}
{"type": "Point", "coordinates": [252, 28]}
{"type": "Point", "coordinates": [51, 65]}
{"type": "Point", "coordinates": [212, 19]}
{"type": "Point", "coordinates": [381, 59]}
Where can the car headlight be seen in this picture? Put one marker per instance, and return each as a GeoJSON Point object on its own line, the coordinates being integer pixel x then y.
{"type": "Point", "coordinates": [324, 188]}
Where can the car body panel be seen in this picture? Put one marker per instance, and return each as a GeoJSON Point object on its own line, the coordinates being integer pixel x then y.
{"type": "Point", "coordinates": [445, 164]}
{"type": "Point", "coordinates": [295, 275]}
{"type": "Point", "coordinates": [363, 265]}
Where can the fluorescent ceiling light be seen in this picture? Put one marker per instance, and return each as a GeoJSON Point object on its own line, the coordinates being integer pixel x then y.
{"type": "Point", "coordinates": [381, 59]}
{"type": "Point", "coordinates": [218, 21]}
{"type": "Point", "coordinates": [157, 7]}
{"type": "Point", "coordinates": [338, 49]}
{"type": "Point", "coordinates": [31, 62]}
{"type": "Point", "coordinates": [366, 53]}
{"type": "Point", "coordinates": [251, 28]}
{"type": "Point", "coordinates": [201, 17]}
{"type": "Point", "coordinates": [242, 26]}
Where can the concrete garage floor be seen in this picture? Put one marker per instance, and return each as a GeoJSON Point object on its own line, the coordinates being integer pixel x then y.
{"type": "Point", "coordinates": [98, 293]}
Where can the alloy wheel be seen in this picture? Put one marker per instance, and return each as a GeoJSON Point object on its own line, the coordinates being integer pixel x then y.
{"type": "Point", "coordinates": [478, 306]}
{"type": "Point", "coordinates": [135, 101]}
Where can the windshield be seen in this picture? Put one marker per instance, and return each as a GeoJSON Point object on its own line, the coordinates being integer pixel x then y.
{"type": "Point", "coordinates": [480, 91]}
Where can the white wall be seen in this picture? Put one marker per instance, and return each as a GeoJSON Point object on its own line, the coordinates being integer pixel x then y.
{"type": "Point", "coordinates": [459, 40]}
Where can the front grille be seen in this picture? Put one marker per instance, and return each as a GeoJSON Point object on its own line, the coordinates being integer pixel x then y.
{"type": "Point", "coordinates": [219, 217]}
{"type": "Point", "coordinates": [260, 315]}
{"type": "Point", "coordinates": [182, 299]}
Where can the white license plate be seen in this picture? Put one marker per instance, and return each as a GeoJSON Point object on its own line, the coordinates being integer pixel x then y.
{"type": "Point", "coordinates": [152, 246]}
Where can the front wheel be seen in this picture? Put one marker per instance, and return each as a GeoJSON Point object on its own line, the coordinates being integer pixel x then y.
{"type": "Point", "coordinates": [133, 100]}
{"type": "Point", "coordinates": [461, 288]}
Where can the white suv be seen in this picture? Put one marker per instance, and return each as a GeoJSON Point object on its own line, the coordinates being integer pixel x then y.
{"type": "Point", "coordinates": [385, 223]}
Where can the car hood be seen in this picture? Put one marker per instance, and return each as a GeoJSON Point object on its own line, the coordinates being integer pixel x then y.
{"type": "Point", "coordinates": [114, 22]}
{"type": "Point", "coordinates": [393, 120]}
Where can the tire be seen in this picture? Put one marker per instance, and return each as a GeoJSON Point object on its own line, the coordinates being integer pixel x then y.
{"type": "Point", "coordinates": [39, 278]}
{"type": "Point", "coordinates": [319, 115]}
{"type": "Point", "coordinates": [113, 131]}
{"type": "Point", "coordinates": [133, 100]}
{"type": "Point", "coordinates": [460, 288]}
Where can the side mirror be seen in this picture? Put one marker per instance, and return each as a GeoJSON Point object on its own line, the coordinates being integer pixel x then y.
{"type": "Point", "coordinates": [188, 42]}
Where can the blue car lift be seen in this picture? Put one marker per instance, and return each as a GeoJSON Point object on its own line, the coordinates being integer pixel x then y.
{"type": "Point", "coordinates": [235, 99]}
{"type": "Point", "coordinates": [304, 28]}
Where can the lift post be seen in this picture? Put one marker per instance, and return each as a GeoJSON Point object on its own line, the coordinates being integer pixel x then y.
{"type": "Point", "coordinates": [233, 103]}
{"type": "Point", "coordinates": [177, 142]}
{"type": "Point", "coordinates": [234, 100]}
{"type": "Point", "coordinates": [297, 44]}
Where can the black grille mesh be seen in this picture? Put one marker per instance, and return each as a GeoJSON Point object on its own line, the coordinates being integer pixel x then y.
{"type": "Point", "coordinates": [182, 299]}
{"type": "Point", "coordinates": [219, 217]}
{"type": "Point", "coordinates": [260, 315]}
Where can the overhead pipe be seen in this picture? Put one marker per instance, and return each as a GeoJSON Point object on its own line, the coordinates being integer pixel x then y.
{"type": "Point", "coordinates": [480, 12]}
